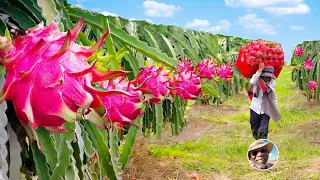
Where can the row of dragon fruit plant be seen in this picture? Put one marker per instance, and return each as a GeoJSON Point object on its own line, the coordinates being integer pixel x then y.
{"type": "Point", "coordinates": [178, 42]}
{"type": "Point", "coordinates": [63, 77]}
{"type": "Point", "coordinates": [306, 68]}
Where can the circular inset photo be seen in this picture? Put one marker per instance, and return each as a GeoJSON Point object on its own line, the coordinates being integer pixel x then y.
{"type": "Point", "coordinates": [263, 154]}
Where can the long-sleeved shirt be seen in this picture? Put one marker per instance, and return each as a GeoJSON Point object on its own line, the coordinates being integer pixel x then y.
{"type": "Point", "coordinates": [257, 102]}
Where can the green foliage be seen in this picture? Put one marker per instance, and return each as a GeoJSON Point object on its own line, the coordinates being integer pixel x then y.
{"type": "Point", "coordinates": [302, 76]}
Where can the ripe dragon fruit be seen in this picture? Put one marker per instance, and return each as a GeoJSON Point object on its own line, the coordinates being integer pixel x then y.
{"type": "Point", "coordinates": [225, 71]}
{"type": "Point", "coordinates": [255, 52]}
{"type": "Point", "coordinates": [261, 51]}
{"type": "Point", "coordinates": [312, 85]}
{"type": "Point", "coordinates": [308, 64]}
{"type": "Point", "coordinates": [49, 79]}
{"type": "Point", "coordinates": [206, 69]}
{"type": "Point", "coordinates": [298, 51]}
{"type": "Point", "coordinates": [186, 85]}
{"type": "Point", "coordinates": [184, 66]}
{"type": "Point", "coordinates": [152, 81]}
{"type": "Point", "coordinates": [122, 109]}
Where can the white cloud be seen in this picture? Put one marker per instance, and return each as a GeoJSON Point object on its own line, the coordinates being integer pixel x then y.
{"type": "Point", "coordinates": [106, 13]}
{"type": "Point", "coordinates": [96, 9]}
{"type": "Point", "coordinates": [297, 28]}
{"type": "Point", "coordinates": [224, 25]}
{"type": "Point", "coordinates": [252, 22]}
{"type": "Point", "coordinates": [155, 9]}
{"type": "Point", "coordinates": [79, 6]}
{"type": "Point", "coordinates": [273, 6]}
{"type": "Point", "coordinates": [300, 9]}
{"type": "Point", "coordinates": [198, 23]}
{"type": "Point", "coordinates": [261, 3]}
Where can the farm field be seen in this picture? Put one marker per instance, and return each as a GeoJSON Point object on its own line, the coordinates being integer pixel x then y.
{"type": "Point", "coordinates": [215, 142]}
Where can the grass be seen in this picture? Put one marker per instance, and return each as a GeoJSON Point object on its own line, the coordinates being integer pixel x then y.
{"type": "Point", "coordinates": [223, 149]}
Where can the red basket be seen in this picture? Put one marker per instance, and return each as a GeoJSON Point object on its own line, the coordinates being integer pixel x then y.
{"type": "Point", "coordinates": [247, 70]}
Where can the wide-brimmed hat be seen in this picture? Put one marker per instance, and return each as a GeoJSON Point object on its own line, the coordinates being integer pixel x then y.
{"type": "Point", "coordinates": [260, 143]}
{"type": "Point", "coordinates": [268, 71]}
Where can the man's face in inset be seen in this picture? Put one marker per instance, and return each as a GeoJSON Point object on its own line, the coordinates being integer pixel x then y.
{"type": "Point", "coordinates": [259, 157]}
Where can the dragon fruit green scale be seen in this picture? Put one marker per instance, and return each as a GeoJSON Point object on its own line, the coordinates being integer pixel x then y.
{"type": "Point", "coordinates": [49, 79]}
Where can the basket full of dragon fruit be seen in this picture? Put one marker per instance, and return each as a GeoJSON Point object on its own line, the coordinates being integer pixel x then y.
{"type": "Point", "coordinates": [251, 54]}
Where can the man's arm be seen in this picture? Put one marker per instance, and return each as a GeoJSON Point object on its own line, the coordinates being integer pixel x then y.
{"type": "Point", "coordinates": [255, 77]}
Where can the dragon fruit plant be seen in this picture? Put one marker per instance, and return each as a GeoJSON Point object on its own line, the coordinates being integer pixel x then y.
{"type": "Point", "coordinates": [50, 81]}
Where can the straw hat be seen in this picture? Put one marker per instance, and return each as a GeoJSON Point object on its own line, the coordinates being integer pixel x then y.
{"type": "Point", "coordinates": [260, 143]}
{"type": "Point", "coordinates": [268, 71]}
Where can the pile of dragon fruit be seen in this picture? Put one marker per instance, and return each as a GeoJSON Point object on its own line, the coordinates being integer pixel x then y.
{"type": "Point", "coordinates": [50, 81]}
{"type": "Point", "coordinates": [262, 51]}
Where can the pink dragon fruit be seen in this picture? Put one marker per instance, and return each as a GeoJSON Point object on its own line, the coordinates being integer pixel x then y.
{"type": "Point", "coordinates": [6, 46]}
{"type": "Point", "coordinates": [312, 85]}
{"type": "Point", "coordinates": [153, 81]}
{"type": "Point", "coordinates": [186, 85]}
{"type": "Point", "coordinates": [225, 71]}
{"type": "Point", "coordinates": [49, 79]}
{"type": "Point", "coordinates": [206, 69]}
{"type": "Point", "coordinates": [308, 64]}
{"type": "Point", "coordinates": [298, 51]}
{"type": "Point", "coordinates": [184, 66]}
{"type": "Point", "coordinates": [122, 109]}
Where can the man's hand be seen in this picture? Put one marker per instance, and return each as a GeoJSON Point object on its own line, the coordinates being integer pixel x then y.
{"type": "Point", "coordinates": [261, 67]}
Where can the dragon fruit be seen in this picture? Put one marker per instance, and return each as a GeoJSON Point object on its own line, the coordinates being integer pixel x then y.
{"type": "Point", "coordinates": [225, 71]}
{"type": "Point", "coordinates": [122, 109]}
{"type": "Point", "coordinates": [184, 66]}
{"type": "Point", "coordinates": [298, 51]}
{"type": "Point", "coordinates": [312, 85]}
{"type": "Point", "coordinates": [255, 52]}
{"type": "Point", "coordinates": [49, 79]}
{"type": "Point", "coordinates": [308, 64]}
{"type": "Point", "coordinates": [154, 82]}
{"type": "Point", "coordinates": [6, 46]}
{"type": "Point", "coordinates": [186, 85]}
{"type": "Point", "coordinates": [206, 69]}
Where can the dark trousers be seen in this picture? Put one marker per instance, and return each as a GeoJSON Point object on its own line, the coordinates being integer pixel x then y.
{"type": "Point", "coordinates": [259, 125]}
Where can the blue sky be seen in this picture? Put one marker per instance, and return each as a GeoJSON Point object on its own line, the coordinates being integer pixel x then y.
{"type": "Point", "coordinates": [274, 153]}
{"type": "Point", "coordinates": [288, 22]}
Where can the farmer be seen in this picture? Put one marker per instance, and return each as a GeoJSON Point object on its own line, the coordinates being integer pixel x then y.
{"type": "Point", "coordinates": [264, 101]}
{"type": "Point", "coordinates": [259, 154]}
